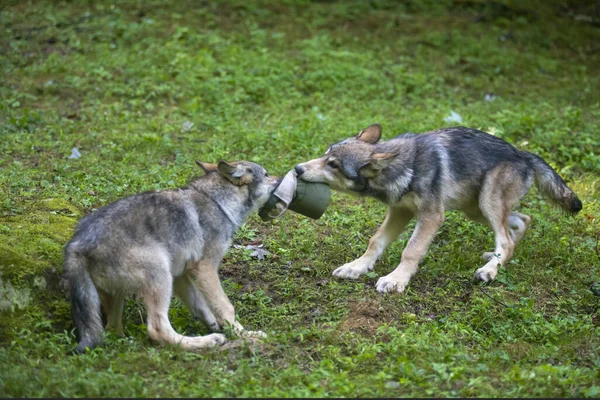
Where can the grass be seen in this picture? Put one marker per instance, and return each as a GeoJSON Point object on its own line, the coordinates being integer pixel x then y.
{"type": "Point", "coordinates": [143, 89]}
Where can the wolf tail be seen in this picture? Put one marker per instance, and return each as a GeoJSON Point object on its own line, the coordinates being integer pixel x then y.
{"type": "Point", "coordinates": [85, 302]}
{"type": "Point", "coordinates": [552, 185]}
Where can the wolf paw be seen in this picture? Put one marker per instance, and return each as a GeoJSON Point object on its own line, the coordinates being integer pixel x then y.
{"type": "Point", "coordinates": [215, 339]}
{"type": "Point", "coordinates": [391, 283]}
{"type": "Point", "coordinates": [353, 270]}
{"type": "Point", "coordinates": [486, 274]}
{"type": "Point", "coordinates": [253, 334]}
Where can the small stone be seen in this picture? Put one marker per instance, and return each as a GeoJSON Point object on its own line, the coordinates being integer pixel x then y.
{"type": "Point", "coordinates": [187, 125]}
{"type": "Point", "coordinates": [392, 385]}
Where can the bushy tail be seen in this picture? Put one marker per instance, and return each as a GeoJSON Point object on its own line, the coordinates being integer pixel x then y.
{"type": "Point", "coordinates": [552, 185]}
{"type": "Point", "coordinates": [85, 303]}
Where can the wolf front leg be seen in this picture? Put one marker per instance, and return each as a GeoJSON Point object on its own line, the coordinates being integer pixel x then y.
{"type": "Point", "coordinates": [206, 278]}
{"type": "Point", "coordinates": [195, 301]}
{"type": "Point", "coordinates": [393, 225]}
{"type": "Point", "coordinates": [428, 224]}
{"type": "Point", "coordinates": [157, 297]}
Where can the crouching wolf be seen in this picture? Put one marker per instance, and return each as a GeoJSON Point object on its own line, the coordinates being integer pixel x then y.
{"type": "Point", "coordinates": [423, 175]}
{"type": "Point", "coordinates": [157, 242]}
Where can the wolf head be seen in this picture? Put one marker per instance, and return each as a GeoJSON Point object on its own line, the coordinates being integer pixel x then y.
{"type": "Point", "coordinates": [250, 178]}
{"type": "Point", "coordinates": [350, 164]}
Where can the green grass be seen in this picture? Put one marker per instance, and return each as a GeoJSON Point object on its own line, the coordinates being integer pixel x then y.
{"type": "Point", "coordinates": [276, 83]}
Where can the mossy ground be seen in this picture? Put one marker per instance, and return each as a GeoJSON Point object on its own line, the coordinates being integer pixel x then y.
{"type": "Point", "coordinates": [143, 89]}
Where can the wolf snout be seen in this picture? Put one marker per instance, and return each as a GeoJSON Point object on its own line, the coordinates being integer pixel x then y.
{"type": "Point", "coordinates": [299, 170]}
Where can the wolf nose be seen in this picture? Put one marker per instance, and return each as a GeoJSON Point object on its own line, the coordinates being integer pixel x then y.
{"type": "Point", "coordinates": [299, 170]}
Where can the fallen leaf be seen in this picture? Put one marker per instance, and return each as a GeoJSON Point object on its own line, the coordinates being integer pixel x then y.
{"type": "Point", "coordinates": [259, 252]}
{"type": "Point", "coordinates": [75, 153]}
{"type": "Point", "coordinates": [453, 117]}
{"type": "Point", "coordinates": [187, 125]}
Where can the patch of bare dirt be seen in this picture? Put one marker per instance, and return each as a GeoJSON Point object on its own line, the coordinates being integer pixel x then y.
{"type": "Point", "coordinates": [366, 316]}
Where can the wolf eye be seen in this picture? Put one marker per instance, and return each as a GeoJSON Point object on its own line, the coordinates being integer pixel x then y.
{"type": "Point", "coordinates": [266, 174]}
{"type": "Point", "coordinates": [332, 164]}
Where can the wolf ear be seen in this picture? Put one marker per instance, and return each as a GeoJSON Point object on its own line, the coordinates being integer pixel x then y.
{"type": "Point", "coordinates": [377, 162]}
{"type": "Point", "coordinates": [234, 172]}
{"type": "Point", "coordinates": [371, 134]}
{"type": "Point", "coordinates": [207, 167]}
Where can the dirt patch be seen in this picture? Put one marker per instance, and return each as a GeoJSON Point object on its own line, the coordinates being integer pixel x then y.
{"type": "Point", "coordinates": [518, 350]}
{"type": "Point", "coordinates": [248, 278]}
{"type": "Point", "coordinates": [241, 274]}
{"type": "Point", "coordinates": [366, 316]}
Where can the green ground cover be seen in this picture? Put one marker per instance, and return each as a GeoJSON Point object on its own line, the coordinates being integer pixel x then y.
{"type": "Point", "coordinates": [143, 89]}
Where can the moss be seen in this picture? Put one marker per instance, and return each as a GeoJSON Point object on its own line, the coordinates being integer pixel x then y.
{"type": "Point", "coordinates": [33, 243]}
{"type": "Point", "coordinates": [31, 260]}
{"type": "Point", "coordinates": [60, 310]}
{"type": "Point", "coordinates": [18, 267]}
{"type": "Point", "coordinates": [12, 298]}
{"type": "Point", "coordinates": [10, 256]}
{"type": "Point", "coordinates": [27, 304]}
{"type": "Point", "coordinates": [62, 228]}
{"type": "Point", "coordinates": [15, 322]}
{"type": "Point", "coordinates": [59, 206]}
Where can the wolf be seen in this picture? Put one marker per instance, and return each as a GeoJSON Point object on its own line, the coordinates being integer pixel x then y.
{"type": "Point", "coordinates": [422, 176]}
{"type": "Point", "coordinates": [159, 242]}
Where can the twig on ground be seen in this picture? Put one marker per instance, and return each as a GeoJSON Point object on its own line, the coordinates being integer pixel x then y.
{"type": "Point", "coordinates": [497, 301]}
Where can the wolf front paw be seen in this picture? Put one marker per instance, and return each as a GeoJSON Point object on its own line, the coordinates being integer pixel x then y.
{"type": "Point", "coordinates": [253, 334]}
{"type": "Point", "coordinates": [486, 273]}
{"type": "Point", "coordinates": [392, 283]}
{"type": "Point", "coordinates": [353, 270]}
{"type": "Point", "coordinates": [241, 332]}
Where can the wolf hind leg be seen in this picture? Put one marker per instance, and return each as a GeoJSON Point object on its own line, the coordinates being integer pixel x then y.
{"type": "Point", "coordinates": [195, 301]}
{"type": "Point", "coordinates": [517, 224]}
{"type": "Point", "coordinates": [393, 225]}
{"type": "Point", "coordinates": [113, 304]}
{"type": "Point", "coordinates": [502, 189]}
{"type": "Point", "coordinates": [157, 298]}
{"type": "Point", "coordinates": [500, 256]}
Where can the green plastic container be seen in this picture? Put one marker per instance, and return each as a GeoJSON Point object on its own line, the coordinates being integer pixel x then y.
{"type": "Point", "coordinates": [311, 200]}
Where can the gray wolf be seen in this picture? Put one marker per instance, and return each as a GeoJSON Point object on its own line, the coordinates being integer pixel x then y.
{"type": "Point", "coordinates": [159, 242]}
{"type": "Point", "coordinates": [423, 175]}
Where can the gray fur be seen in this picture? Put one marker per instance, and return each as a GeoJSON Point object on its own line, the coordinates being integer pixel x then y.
{"type": "Point", "coordinates": [552, 185]}
{"type": "Point", "coordinates": [150, 242]}
{"type": "Point", "coordinates": [424, 175]}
